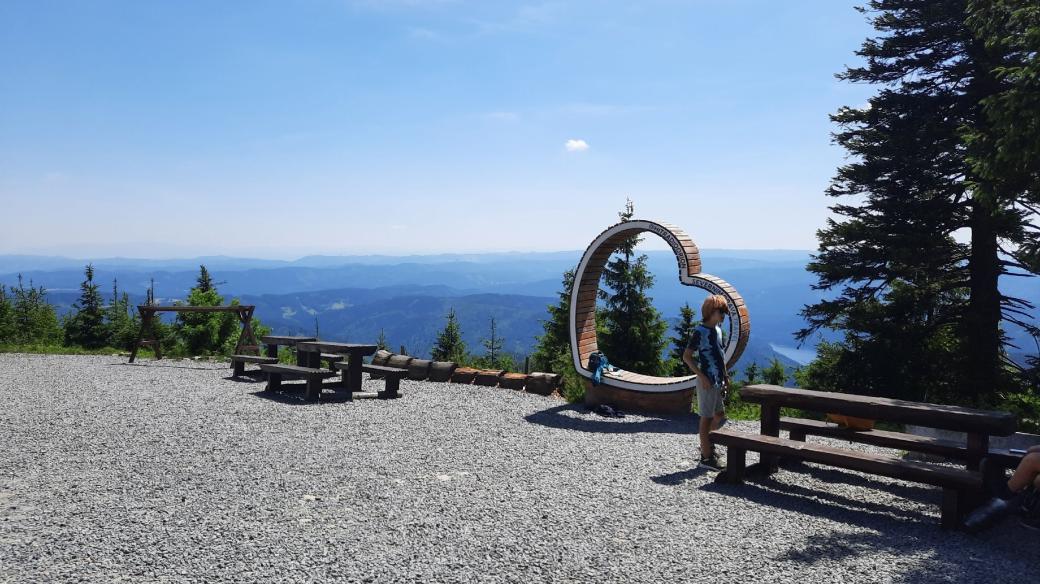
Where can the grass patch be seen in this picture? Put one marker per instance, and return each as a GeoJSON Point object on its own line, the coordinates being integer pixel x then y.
{"type": "Point", "coordinates": [62, 350]}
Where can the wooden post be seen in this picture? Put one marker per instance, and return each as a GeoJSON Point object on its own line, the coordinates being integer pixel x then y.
{"type": "Point", "coordinates": [313, 387]}
{"type": "Point", "coordinates": [274, 381]}
{"type": "Point", "coordinates": [736, 460]}
{"type": "Point", "coordinates": [950, 509]}
{"type": "Point", "coordinates": [770, 427]}
{"type": "Point", "coordinates": [978, 448]}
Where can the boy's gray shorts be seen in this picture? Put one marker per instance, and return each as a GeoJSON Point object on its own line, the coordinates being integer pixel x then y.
{"type": "Point", "coordinates": [709, 401]}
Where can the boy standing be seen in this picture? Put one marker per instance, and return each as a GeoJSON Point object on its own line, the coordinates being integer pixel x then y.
{"type": "Point", "coordinates": [704, 356]}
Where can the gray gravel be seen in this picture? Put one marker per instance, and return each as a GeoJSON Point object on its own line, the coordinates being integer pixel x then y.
{"type": "Point", "coordinates": [170, 471]}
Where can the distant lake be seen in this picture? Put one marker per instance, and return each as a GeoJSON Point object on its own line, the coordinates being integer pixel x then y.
{"type": "Point", "coordinates": [801, 356]}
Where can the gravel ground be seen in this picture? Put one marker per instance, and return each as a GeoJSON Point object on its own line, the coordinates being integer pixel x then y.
{"type": "Point", "coordinates": [170, 471]}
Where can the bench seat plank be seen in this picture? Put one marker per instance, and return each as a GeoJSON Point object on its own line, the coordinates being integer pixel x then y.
{"type": "Point", "coordinates": [275, 372]}
{"type": "Point", "coordinates": [254, 359]}
{"type": "Point", "coordinates": [238, 363]}
{"type": "Point", "coordinates": [801, 427]}
{"type": "Point", "coordinates": [383, 370]}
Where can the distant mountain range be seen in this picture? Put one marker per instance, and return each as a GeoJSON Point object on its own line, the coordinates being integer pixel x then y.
{"type": "Point", "coordinates": [354, 297]}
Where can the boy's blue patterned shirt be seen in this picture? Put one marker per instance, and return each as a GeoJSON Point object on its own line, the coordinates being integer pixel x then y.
{"type": "Point", "coordinates": [706, 343]}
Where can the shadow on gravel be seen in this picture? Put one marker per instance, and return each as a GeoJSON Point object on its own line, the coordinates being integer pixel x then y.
{"type": "Point", "coordinates": [839, 508]}
{"type": "Point", "coordinates": [680, 477]}
{"type": "Point", "coordinates": [248, 377]}
{"type": "Point", "coordinates": [293, 394]}
{"type": "Point", "coordinates": [586, 421]}
{"type": "Point", "coordinates": [912, 492]}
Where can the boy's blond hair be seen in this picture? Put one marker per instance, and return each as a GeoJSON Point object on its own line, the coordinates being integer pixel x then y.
{"type": "Point", "coordinates": [713, 303]}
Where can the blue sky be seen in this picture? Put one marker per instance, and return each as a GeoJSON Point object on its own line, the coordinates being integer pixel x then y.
{"type": "Point", "coordinates": [279, 129]}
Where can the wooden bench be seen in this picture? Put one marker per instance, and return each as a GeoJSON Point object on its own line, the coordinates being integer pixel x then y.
{"type": "Point", "coordinates": [799, 428]}
{"type": "Point", "coordinates": [392, 375]}
{"type": "Point", "coordinates": [238, 363]}
{"type": "Point", "coordinates": [957, 484]}
{"type": "Point", "coordinates": [314, 377]}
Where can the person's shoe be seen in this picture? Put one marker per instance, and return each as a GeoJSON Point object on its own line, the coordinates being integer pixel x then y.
{"type": "Point", "coordinates": [986, 515]}
{"type": "Point", "coordinates": [710, 463]}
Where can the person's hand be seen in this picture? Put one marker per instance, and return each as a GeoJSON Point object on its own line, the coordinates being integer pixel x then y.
{"type": "Point", "coordinates": [703, 383]}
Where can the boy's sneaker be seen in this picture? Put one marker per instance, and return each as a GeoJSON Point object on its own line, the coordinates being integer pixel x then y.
{"type": "Point", "coordinates": [710, 463]}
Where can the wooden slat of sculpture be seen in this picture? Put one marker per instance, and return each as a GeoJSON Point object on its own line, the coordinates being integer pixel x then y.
{"type": "Point", "coordinates": [583, 303]}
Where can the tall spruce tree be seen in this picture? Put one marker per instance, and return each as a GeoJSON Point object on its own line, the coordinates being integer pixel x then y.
{"type": "Point", "coordinates": [85, 327]}
{"type": "Point", "coordinates": [683, 330]}
{"type": "Point", "coordinates": [493, 345]}
{"type": "Point", "coordinates": [920, 310]}
{"type": "Point", "coordinates": [450, 346]}
{"type": "Point", "coordinates": [1004, 149]}
{"type": "Point", "coordinates": [204, 282]}
{"type": "Point", "coordinates": [634, 335]}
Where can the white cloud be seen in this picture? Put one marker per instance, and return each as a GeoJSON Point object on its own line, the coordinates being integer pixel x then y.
{"type": "Point", "coordinates": [573, 145]}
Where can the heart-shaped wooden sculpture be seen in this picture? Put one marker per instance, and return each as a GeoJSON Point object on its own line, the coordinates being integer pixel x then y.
{"type": "Point", "coordinates": [583, 308]}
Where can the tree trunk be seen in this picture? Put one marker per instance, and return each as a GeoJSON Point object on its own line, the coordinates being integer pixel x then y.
{"type": "Point", "coordinates": [983, 319]}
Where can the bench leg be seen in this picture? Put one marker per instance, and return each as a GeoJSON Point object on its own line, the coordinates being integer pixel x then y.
{"type": "Point", "coordinates": [274, 381]}
{"type": "Point", "coordinates": [950, 517]}
{"type": "Point", "coordinates": [736, 462]}
{"type": "Point", "coordinates": [798, 435]}
{"type": "Point", "coordinates": [239, 369]}
{"type": "Point", "coordinates": [314, 388]}
{"type": "Point", "coordinates": [393, 384]}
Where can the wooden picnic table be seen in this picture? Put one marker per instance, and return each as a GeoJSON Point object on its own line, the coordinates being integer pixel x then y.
{"type": "Point", "coordinates": [272, 342]}
{"type": "Point", "coordinates": [309, 354]}
{"type": "Point", "coordinates": [979, 425]}
{"type": "Point", "coordinates": [962, 488]}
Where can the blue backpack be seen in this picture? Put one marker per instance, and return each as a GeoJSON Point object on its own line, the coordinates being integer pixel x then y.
{"type": "Point", "coordinates": [598, 363]}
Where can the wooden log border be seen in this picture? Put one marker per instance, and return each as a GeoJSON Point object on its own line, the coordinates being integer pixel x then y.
{"type": "Point", "coordinates": [586, 284]}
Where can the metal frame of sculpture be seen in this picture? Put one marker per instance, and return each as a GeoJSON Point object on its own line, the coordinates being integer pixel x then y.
{"type": "Point", "coordinates": [586, 286]}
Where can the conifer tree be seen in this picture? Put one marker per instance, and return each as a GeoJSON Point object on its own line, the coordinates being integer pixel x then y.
{"type": "Point", "coordinates": [7, 326]}
{"type": "Point", "coordinates": [553, 351]}
{"type": "Point", "coordinates": [86, 326]}
{"type": "Point", "coordinates": [921, 311]}
{"type": "Point", "coordinates": [204, 283]}
{"type": "Point", "coordinates": [683, 331]}
{"type": "Point", "coordinates": [450, 346]}
{"type": "Point", "coordinates": [492, 346]}
{"type": "Point", "coordinates": [35, 320]}
{"type": "Point", "coordinates": [634, 335]}
{"type": "Point", "coordinates": [201, 332]}
{"type": "Point", "coordinates": [751, 373]}
{"type": "Point", "coordinates": [381, 342]}
{"type": "Point", "coordinates": [776, 373]}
